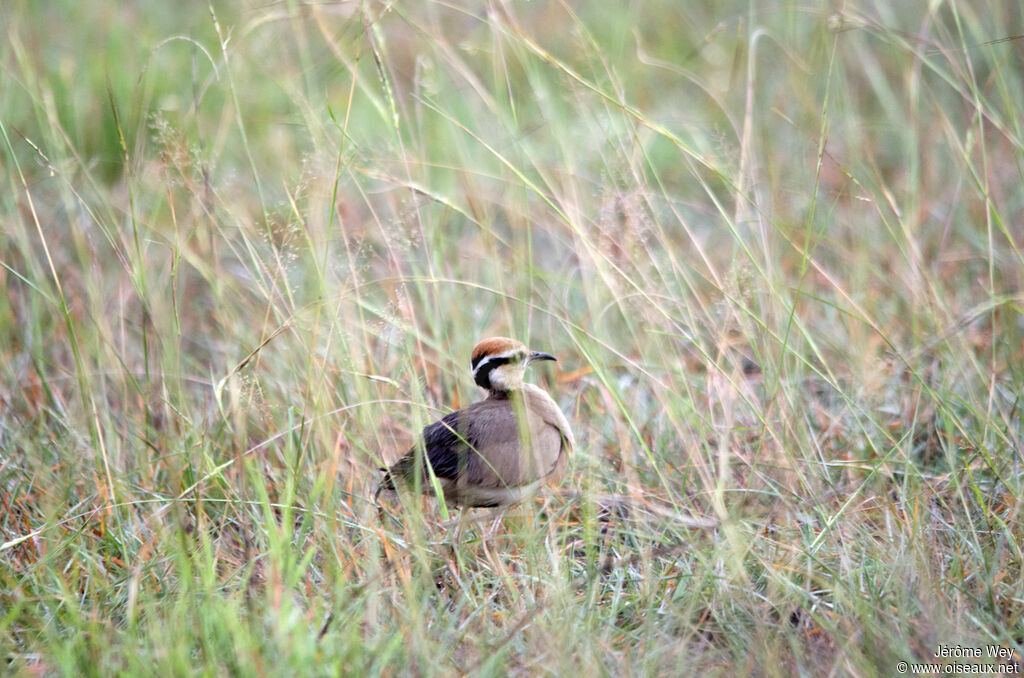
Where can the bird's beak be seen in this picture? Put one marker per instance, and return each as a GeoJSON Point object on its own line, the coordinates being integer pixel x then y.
{"type": "Point", "coordinates": [537, 355]}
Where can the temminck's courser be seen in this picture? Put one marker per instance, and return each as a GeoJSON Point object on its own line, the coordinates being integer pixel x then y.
{"type": "Point", "coordinates": [498, 451]}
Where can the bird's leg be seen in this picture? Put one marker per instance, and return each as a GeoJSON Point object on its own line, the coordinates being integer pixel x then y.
{"type": "Point", "coordinates": [493, 529]}
{"type": "Point", "coordinates": [463, 516]}
{"type": "Point", "coordinates": [499, 569]}
{"type": "Point", "coordinates": [498, 565]}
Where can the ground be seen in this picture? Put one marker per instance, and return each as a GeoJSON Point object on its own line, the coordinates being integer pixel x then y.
{"type": "Point", "coordinates": [248, 247]}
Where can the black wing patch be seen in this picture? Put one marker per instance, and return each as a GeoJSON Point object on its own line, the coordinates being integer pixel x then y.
{"type": "Point", "coordinates": [447, 445]}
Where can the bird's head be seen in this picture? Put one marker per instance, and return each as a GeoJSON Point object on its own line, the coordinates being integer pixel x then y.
{"type": "Point", "coordinates": [498, 363]}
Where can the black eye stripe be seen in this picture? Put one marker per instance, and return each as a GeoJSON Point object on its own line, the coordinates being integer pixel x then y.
{"type": "Point", "coordinates": [482, 368]}
{"type": "Point", "coordinates": [482, 375]}
{"type": "Point", "coordinates": [504, 360]}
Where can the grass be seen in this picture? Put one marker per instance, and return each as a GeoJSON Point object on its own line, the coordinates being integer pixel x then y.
{"type": "Point", "coordinates": [247, 249]}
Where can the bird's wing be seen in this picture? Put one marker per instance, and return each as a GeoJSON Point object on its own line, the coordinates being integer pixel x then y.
{"type": "Point", "coordinates": [447, 445]}
{"type": "Point", "coordinates": [481, 446]}
{"type": "Point", "coordinates": [499, 458]}
{"type": "Point", "coordinates": [495, 458]}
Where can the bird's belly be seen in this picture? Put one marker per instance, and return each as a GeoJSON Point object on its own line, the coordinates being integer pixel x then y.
{"type": "Point", "coordinates": [485, 497]}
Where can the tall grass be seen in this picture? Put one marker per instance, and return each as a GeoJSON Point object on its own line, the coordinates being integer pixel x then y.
{"type": "Point", "coordinates": [246, 252]}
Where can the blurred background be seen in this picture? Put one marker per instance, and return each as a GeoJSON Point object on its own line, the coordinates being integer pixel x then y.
{"type": "Point", "coordinates": [247, 248]}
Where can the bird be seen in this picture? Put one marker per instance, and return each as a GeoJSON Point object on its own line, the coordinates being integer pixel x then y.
{"type": "Point", "coordinates": [495, 452]}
